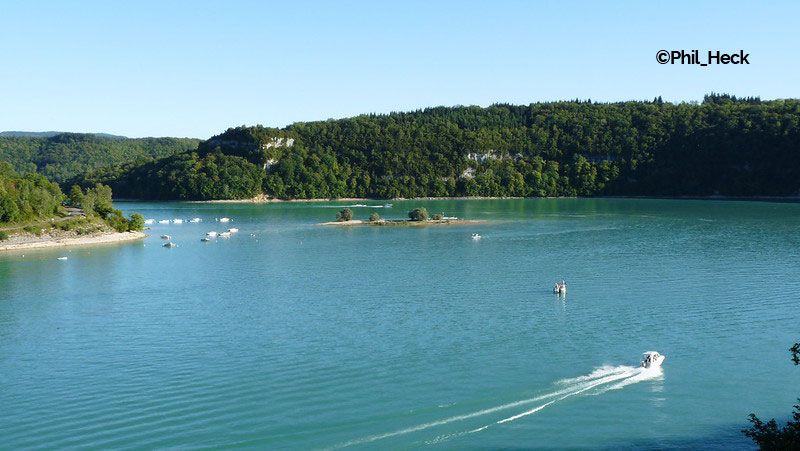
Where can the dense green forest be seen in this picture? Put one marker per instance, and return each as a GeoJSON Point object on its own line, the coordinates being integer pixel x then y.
{"type": "Point", "coordinates": [722, 146]}
{"type": "Point", "coordinates": [30, 198]}
{"type": "Point", "coordinates": [63, 156]}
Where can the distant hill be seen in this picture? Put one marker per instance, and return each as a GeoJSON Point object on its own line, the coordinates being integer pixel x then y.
{"type": "Point", "coordinates": [20, 134]}
{"type": "Point", "coordinates": [63, 156]}
{"type": "Point", "coordinates": [723, 146]}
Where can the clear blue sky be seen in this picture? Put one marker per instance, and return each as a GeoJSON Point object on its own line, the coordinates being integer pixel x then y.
{"type": "Point", "coordinates": [194, 68]}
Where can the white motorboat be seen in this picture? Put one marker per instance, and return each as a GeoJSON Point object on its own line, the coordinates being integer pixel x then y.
{"type": "Point", "coordinates": [476, 236]}
{"type": "Point", "coordinates": [560, 287]}
{"type": "Point", "coordinates": [149, 221]}
{"type": "Point", "coordinates": [233, 230]}
{"type": "Point", "coordinates": [61, 258]}
{"type": "Point", "coordinates": [224, 219]}
{"type": "Point", "coordinates": [195, 220]}
{"type": "Point", "coordinates": [225, 235]}
{"type": "Point", "coordinates": [205, 239]}
{"type": "Point", "coordinates": [170, 244]}
{"type": "Point", "coordinates": [177, 221]}
{"type": "Point", "coordinates": [164, 221]}
{"type": "Point", "coordinates": [652, 359]}
{"type": "Point", "coordinates": [211, 234]}
{"type": "Point", "coordinates": [166, 237]}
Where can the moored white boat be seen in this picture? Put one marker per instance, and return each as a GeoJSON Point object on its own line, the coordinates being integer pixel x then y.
{"type": "Point", "coordinates": [476, 236]}
{"type": "Point", "coordinates": [163, 221]}
{"type": "Point", "coordinates": [170, 244]}
{"type": "Point", "coordinates": [177, 221]}
{"type": "Point", "coordinates": [233, 230]}
{"type": "Point", "coordinates": [225, 235]}
{"type": "Point", "coordinates": [211, 234]}
{"type": "Point", "coordinates": [195, 220]}
{"type": "Point", "coordinates": [224, 219]}
{"type": "Point", "coordinates": [149, 221]}
{"type": "Point", "coordinates": [205, 239]}
{"type": "Point", "coordinates": [560, 287]}
{"type": "Point", "coordinates": [166, 237]}
{"type": "Point", "coordinates": [652, 359]}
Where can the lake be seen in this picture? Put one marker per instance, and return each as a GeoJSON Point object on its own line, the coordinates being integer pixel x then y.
{"type": "Point", "coordinates": [295, 335]}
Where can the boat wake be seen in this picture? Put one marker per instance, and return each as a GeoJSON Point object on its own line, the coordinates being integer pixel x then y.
{"type": "Point", "coordinates": [599, 381]}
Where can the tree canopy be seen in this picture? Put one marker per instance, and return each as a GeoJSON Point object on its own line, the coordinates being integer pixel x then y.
{"type": "Point", "coordinates": [723, 146]}
{"type": "Point", "coordinates": [66, 155]}
{"type": "Point", "coordinates": [768, 436]}
{"type": "Point", "coordinates": [28, 197]}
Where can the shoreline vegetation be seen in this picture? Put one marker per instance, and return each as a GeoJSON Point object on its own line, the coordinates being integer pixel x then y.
{"type": "Point", "coordinates": [35, 213]}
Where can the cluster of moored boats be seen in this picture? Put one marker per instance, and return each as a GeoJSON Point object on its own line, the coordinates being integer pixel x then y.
{"type": "Point", "coordinates": [226, 234]}
{"type": "Point", "coordinates": [172, 221]}
{"type": "Point", "coordinates": [208, 236]}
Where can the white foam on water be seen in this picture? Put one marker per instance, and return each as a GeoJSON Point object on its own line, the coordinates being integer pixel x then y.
{"type": "Point", "coordinates": [644, 374]}
{"type": "Point", "coordinates": [605, 378]}
{"type": "Point", "coordinates": [616, 375]}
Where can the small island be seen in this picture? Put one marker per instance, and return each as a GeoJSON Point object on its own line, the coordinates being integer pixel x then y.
{"type": "Point", "coordinates": [417, 217]}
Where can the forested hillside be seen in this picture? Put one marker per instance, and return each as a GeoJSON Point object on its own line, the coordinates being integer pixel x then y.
{"type": "Point", "coordinates": [23, 198]}
{"type": "Point", "coordinates": [32, 202]}
{"type": "Point", "coordinates": [66, 155]}
{"type": "Point", "coordinates": [724, 146]}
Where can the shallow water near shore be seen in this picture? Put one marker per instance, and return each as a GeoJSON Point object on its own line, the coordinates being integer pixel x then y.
{"type": "Point", "coordinates": [294, 335]}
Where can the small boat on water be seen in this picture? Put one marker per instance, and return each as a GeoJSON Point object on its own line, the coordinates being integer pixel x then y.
{"type": "Point", "coordinates": [224, 219]}
{"type": "Point", "coordinates": [177, 221]}
{"type": "Point", "coordinates": [225, 235]}
{"type": "Point", "coordinates": [652, 359]}
{"type": "Point", "coordinates": [211, 234]}
{"type": "Point", "coordinates": [205, 239]}
{"type": "Point", "coordinates": [61, 258]}
{"type": "Point", "coordinates": [387, 205]}
{"type": "Point", "coordinates": [233, 230]}
{"type": "Point", "coordinates": [149, 221]}
{"type": "Point", "coordinates": [476, 237]}
{"type": "Point", "coordinates": [560, 287]}
{"type": "Point", "coordinates": [166, 237]}
{"type": "Point", "coordinates": [170, 244]}
{"type": "Point", "coordinates": [195, 220]}
{"type": "Point", "coordinates": [164, 221]}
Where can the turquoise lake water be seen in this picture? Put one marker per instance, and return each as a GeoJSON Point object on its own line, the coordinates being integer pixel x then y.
{"type": "Point", "coordinates": [294, 335]}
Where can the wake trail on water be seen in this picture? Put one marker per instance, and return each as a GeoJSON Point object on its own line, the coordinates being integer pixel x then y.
{"type": "Point", "coordinates": [601, 379]}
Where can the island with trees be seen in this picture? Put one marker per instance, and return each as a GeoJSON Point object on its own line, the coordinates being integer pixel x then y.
{"type": "Point", "coordinates": [417, 217]}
